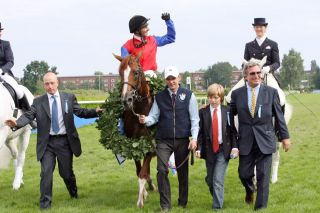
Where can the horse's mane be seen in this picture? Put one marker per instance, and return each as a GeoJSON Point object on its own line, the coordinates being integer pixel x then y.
{"type": "Point", "coordinates": [124, 64]}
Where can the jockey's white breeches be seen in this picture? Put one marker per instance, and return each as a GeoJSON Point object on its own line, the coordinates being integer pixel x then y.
{"type": "Point", "coordinates": [269, 80]}
{"type": "Point", "coordinates": [13, 83]}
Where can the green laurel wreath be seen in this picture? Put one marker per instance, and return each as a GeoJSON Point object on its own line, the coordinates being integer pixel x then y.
{"type": "Point", "coordinates": [110, 138]}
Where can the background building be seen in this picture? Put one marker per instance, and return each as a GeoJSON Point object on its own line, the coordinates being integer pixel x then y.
{"type": "Point", "coordinates": [102, 82]}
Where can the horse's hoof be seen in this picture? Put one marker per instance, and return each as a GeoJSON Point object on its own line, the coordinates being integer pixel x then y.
{"type": "Point", "coordinates": [274, 180]}
{"type": "Point", "coordinates": [145, 195]}
{"type": "Point", "coordinates": [16, 187]}
{"type": "Point", "coordinates": [153, 187]}
{"type": "Point", "coordinates": [18, 179]}
{"type": "Point", "coordinates": [140, 205]}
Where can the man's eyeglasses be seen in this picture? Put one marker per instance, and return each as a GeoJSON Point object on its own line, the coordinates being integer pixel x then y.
{"type": "Point", "coordinates": [254, 73]}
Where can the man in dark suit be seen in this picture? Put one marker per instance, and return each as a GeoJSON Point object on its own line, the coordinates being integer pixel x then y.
{"type": "Point", "coordinates": [256, 104]}
{"type": "Point", "coordinates": [57, 135]}
{"type": "Point", "coordinates": [216, 141]}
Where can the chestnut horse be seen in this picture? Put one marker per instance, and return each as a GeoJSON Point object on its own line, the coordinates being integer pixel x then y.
{"type": "Point", "coordinates": [137, 99]}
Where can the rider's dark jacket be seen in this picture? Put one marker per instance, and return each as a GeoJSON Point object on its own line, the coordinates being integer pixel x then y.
{"type": "Point", "coordinates": [268, 48]}
{"type": "Point", "coordinates": [6, 57]}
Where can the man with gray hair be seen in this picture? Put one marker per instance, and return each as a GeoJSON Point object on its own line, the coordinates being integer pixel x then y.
{"type": "Point", "coordinates": [256, 104]}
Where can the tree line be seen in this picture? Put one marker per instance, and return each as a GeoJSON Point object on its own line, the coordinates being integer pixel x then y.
{"type": "Point", "coordinates": [291, 74]}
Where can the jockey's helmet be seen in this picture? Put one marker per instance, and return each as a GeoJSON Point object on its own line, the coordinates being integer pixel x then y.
{"type": "Point", "coordinates": [137, 22]}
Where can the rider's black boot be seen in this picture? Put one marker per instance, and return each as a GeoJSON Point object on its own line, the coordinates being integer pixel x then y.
{"type": "Point", "coordinates": [24, 105]}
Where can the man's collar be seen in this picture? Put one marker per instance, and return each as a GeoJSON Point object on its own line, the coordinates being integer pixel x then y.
{"type": "Point", "coordinates": [218, 108]}
{"type": "Point", "coordinates": [249, 87]}
{"type": "Point", "coordinates": [56, 94]}
{"type": "Point", "coordinates": [171, 92]}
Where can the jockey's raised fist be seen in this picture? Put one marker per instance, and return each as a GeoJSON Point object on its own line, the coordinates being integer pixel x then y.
{"type": "Point", "coordinates": [165, 16]}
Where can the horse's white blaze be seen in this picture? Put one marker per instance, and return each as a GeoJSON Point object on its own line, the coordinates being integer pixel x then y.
{"type": "Point", "coordinates": [126, 73]}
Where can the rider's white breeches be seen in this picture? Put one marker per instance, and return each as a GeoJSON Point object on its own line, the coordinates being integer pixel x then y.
{"type": "Point", "coordinates": [270, 81]}
{"type": "Point", "coordinates": [13, 83]}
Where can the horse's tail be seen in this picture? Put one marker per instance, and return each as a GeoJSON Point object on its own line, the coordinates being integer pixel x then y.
{"type": "Point", "coordinates": [288, 112]}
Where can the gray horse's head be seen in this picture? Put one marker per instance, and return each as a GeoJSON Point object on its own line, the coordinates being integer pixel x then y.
{"type": "Point", "coordinates": [253, 62]}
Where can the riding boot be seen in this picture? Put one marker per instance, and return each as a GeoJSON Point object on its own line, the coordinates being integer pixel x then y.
{"type": "Point", "coordinates": [24, 105]}
{"type": "Point", "coordinates": [283, 108]}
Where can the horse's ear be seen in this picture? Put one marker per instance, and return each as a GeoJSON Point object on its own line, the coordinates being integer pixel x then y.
{"type": "Point", "coordinates": [244, 62]}
{"type": "Point", "coordinates": [263, 61]}
{"type": "Point", "coordinates": [117, 57]}
{"type": "Point", "coordinates": [139, 55]}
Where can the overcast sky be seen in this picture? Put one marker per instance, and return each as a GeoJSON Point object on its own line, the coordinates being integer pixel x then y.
{"type": "Point", "coordinates": [79, 36]}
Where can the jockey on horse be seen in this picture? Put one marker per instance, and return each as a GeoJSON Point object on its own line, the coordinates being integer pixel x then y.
{"type": "Point", "coordinates": [146, 44]}
{"type": "Point", "coordinates": [144, 47]}
{"type": "Point", "coordinates": [6, 63]}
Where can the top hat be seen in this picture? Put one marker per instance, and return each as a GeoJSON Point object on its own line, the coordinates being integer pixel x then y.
{"type": "Point", "coordinates": [1, 27]}
{"type": "Point", "coordinates": [260, 22]}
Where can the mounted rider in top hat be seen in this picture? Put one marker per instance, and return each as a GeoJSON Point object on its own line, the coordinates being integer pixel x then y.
{"type": "Point", "coordinates": [259, 48]}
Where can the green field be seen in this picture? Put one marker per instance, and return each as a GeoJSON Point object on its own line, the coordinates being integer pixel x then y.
{"type": "Point", "coordinates": [104, 186]}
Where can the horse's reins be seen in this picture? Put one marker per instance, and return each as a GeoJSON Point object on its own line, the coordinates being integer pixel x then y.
{"type": "Point", "coordinates": [136, 96]}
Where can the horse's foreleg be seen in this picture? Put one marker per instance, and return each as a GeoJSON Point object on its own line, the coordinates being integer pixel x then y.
{"type": "Point", "coordinates": [23, 140]}
{"type": "Point", "coordinates": [138, 167]}
{"type": "Point", "coordinates": [24, 143]}
{"type": "Point", "coordinates": [12, 146]}
{"type": "Point", "coordinates": [144, 176]}
{"type": "Point", "coordinates": [275, 164]}
{"type": "Point", "coordinates": [142, 193]}
{"type": "Point", "coordinates": [146, 164]}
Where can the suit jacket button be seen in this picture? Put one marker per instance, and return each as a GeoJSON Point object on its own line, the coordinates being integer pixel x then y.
{"type": "Point", "coordinates": [262, 53]}
{"type": "Point", "coordinates": [254, 54]}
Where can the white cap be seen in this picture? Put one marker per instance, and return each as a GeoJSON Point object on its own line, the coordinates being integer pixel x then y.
{"type": "Point", "coordinates": [171, 71]}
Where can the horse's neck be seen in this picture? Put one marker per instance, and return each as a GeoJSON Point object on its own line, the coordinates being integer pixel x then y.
{"type": "Point", "coordinates": [7, 103]}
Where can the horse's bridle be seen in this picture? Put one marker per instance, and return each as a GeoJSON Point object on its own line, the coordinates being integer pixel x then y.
{"type": "Point", "coordinates": [136, 97]}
